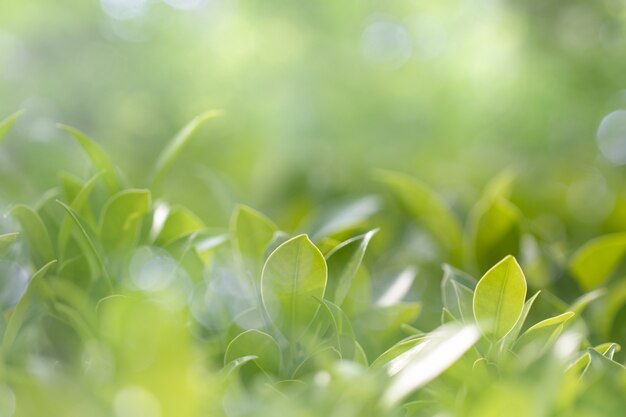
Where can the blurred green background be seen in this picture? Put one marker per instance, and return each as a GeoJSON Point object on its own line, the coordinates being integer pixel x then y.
{"type": "Point", "coordinates": [317, 94]}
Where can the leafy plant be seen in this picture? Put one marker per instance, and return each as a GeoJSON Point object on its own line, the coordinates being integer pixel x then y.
{"type": "Point", "coordinates": [136, 307]}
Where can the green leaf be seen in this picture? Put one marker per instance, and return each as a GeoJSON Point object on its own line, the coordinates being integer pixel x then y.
{"type": "Point", "coordinates": [36, 233]}
{"type": "Point", "coordinates": [396, 350]}
{"type": "Point", "coordinates": [7, 123]}
{"type": "Point", "coordinates": [494, 231]}
{"type": "Point", "coordinates": [251, 233]}
{"type": "Point", "coordinates": [79, 202]}
{"type": "Point", "coordinates": [457, 290]}
{"type": "Point", "coordinates": [594, 263]}
{"type": "Point", "coordinates": [427, 360]}
{"type": "Point", "coordinates": [511, 337]}
{"type": "Point", "coordinates": [176, 145]}
{"type": "Point", "coordinates": [293, 275]}
{"type": "Point", "coordinates": [343, 263]}
{"type": "Point", "coordinates": [499, 298]}
{"type": "Point", "coordinates": [87, 243]}
{"type": "Point", "coordinates": [255, 343]}
{"type": "Point", "coordinates": [18, 316]}
{"type": "Point", "coordinates": [179, 223]}
{"type": "Point", "coordinates": [552, 321]}
{"type": "Point", "coordinates": [429, 208]}
{"type": "Point", "coordinates": [121, 218]}
{"type": "Point", "coordinates": [6, 240]}
{"type": "Point", "coordinates": [98, 157]}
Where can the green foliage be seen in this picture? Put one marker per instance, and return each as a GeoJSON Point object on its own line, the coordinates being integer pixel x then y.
{"type": "Point", "coordinates": [149, 311]}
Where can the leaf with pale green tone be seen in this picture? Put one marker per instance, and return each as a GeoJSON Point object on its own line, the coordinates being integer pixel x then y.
{"type": "Point", "coordinates": [176, 145]}
{"type": "Point", "coordinates": [494, 231]}
{"type": "Point", "coordinates": [499, 298]}
{"type": "Point", "coordinates": [344, 339]}
{"type": "Point", "coordinates": [255, 343]}
{"type": "Point", "coordinates": [552, 321]}
{"type": "Point", "coordinates": [70, 185]}
{"type": "Point", "coordinates": [251, 233]}
{"type": "Point", "coordinates": [427, 360]}
{"type": "Point", "coordinates": [121, 218]}
{"type": "Point", "coordinates": [343, 264]}
{"type": "Point", "coordinates": [87, 242]}
{"type": "Point", "coordinates": [35, 232]}
{"type": "Point", "coordinates": [580, 304]}
{"type": "Point", "coordinates": [396, 350]}
{"type": "Point", "coordinates": [511, 336]}
{"type": "Point", "coordinates": [457, 290]}
{"type": "Point", "coordinates": [16, 320]}
{"type": "Point", "coordinates": [429, 208]}
{"type": "Point", "coordinates": [293, 275]}
{"type": "Point", "coordinates": [381, 324]}
{"type": "Point", "coordinates": [78, 204]}
{"type": "Point", "coordinates": [6, 240]}
{"type": "Point", "coordinates": [594, 263]}
{"type": "Point", "coordinates": [7, 123]}
{"type": "Point", "coordinates": [98, 157]}
{"type": "Point", "coordinates": [347, 217]}
{"type": "Point", "coordinates": [319, 359]}
{"type": "Point", "coordinates": [179, 223]}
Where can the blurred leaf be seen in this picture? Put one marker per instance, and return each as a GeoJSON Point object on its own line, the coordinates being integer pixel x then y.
{"type": "Point", "coordinates": [457, 289]}
{"type": "Point", "coordinates": [424, 362]}
{"type": "Point", "coordinates": [251, 233]}
{"type": "Point", "coordinates": [87, 243]}
{"type": "Point", "coordinates": [396, 350]}
{"type": "Point", "coordinates": [255, 343]}
{"type": "Point", "coordinates": [429, 208]}
{"type": "Point", "coordinates": [511, 337]}
{"type": "Point", "coordinates": [99, 158]}
{"type": "Point", "coordinates": [78, 204]}
{"type": "Point", "coordinates": [6, 240]}
{"type": "Point", "coordinates": [176, 145]}
{"type": "Point", "coordinates": [594, 263]}
{"type": "Point", "coordinates": [179, 223]}
{"type": "Point", "coordinates": [499, 298]}
{"type": "Point", "coordinates": [7, 123]}
{"type": "Point", "coordinates": [399, 288]}
{"type": "Point", "coordinates": [494, 231]}
{"type": "Point", "coordinates": [35, 232]}
{"type": "Point", "coordinates": [552, 321]}
{"type": "Point", "coordinates": [18, 316]}
{"type": "Point", "coordinates": [121, 218]}
{"type": "Point", "coordinates": [343, 263]}
{"type": "Point", "coordinates": [293, 275]}
{"type": "Point", "coordinates": [348, 217]}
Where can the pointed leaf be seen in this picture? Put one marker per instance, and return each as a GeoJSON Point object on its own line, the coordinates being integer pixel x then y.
{"type": "Point", "coordinates": [179, 223]}
{"type": "Point", "coordinates": [35, 231]}
{"type": "Point", "coordinates": [176, 145]}
{"type": "Point", "coordinates": [7, 123]}
{"type": "Point", "coordinates": [343, 264]}
{"type": "Point", "coordinates": [427, 207]}
{"type": "Point", "coordinates": [7, 240]}
{"type": "Point", "coordinates": [255, 343]}
{"type": "Point", "coordinates": [252, 233]}
{"type": "Point", "coordinates": [499, 298]}
{"type": "Point", "coordinates": [293, 275]}
{"type": "Point", "coordinates": [98, 157]}
{"type": "Point", "coordinates": [18, 316]}
{"type": "Point", "coordinates": [594, 263]}
{"type": "Point", "coordinates": [121, 218]}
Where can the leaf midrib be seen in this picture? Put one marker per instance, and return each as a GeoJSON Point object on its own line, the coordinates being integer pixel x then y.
{"type": "Point", "coordinates": [501, 297]}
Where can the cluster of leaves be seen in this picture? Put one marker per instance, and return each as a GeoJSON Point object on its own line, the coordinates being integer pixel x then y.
{"type": "Point", "coordinates": [135, 307]}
